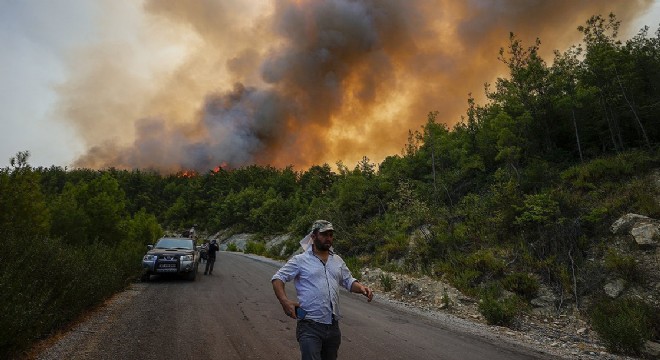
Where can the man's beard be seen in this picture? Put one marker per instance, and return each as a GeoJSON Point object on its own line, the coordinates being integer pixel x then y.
{"type": "Point", "coordinates": [323, 246]}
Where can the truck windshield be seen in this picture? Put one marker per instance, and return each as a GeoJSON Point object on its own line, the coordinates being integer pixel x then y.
{"type": "Point", "coordinates": [167, 243]}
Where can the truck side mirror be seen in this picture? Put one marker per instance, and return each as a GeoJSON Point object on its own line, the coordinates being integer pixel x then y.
{"type": "Point", "coordinates": [149, 247]}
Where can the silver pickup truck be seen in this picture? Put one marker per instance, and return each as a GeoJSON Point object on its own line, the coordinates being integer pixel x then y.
{"type": "Point", "coordinates": [176, 256]}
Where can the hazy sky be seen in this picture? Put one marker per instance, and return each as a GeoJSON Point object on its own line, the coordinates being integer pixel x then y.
{"type": "Point", "coordinates": [173, 85]}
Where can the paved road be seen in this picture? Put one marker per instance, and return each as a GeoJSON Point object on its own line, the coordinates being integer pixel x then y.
{"type": "Point", "coordinates": [233, 314]}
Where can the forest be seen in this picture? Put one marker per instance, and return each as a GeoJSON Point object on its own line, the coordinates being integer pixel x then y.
{"type": "Point", "coordinates": [520, 193]}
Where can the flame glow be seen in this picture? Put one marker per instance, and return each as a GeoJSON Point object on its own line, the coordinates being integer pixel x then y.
{"type": "Point", "coordinates": [298, 82]}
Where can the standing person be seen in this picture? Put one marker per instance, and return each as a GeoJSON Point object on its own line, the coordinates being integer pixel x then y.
{"type": "Point", "coordinates": [317, 274]}
{"type": "Point", "coordinates": [210, 257]}
{"type": "Point", "coordinates": [204, 252]}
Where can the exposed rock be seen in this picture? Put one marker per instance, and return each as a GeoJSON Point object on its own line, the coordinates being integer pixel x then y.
{"type": "Point", "coordinates": [240, 240]}
{"type": "Point", "coordinates": [410, 289]}
{"type": "Point", "coordinates": [645, 230]}
{"type": "Point", "coordinates": [278, 240]}
{"type": "Point", "coordinates": [651, 350]}
{"type": "Point", "coordinates": [615, 288]}
{"type": "Point", "coordinates": [466, 299]}
{"type": "Point", "coordinates": [371, 275]}
{"type": "Point", "coordinates": [546, 298]}
{"type": "Point", "coordinates": [421, 234]}
{"type": "Point", "coordinates": [646, 235]}
{"type": "Point", "coordinates": [626, 222]}
{"type": "Point", "coordinates": [507, 294]}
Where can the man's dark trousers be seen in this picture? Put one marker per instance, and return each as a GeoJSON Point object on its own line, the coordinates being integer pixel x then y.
{"type": "Point", "coordinates": [318, 341]}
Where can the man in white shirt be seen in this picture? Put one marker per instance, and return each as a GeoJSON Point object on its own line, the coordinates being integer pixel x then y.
{"type": "Point", "coordinates": [317, 273]}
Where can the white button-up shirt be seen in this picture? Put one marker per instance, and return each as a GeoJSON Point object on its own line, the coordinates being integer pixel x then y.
{"type": "Point", "coordinates": [317, 284]}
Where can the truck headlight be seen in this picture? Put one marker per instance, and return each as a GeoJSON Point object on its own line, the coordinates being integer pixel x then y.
{"type": "Point", "coordinates": [150, 257]}
{"type": "Point", "coordinates": [187, 258]}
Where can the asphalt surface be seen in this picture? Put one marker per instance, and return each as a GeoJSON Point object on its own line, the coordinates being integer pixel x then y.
{"type": "Point", "coordinates": [233, 314]}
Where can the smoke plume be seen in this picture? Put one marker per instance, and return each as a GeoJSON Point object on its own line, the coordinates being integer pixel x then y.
{"type": "Point", "coordinates": [298, 82]}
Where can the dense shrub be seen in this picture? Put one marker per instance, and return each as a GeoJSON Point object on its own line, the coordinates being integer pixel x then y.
{"type": "Point", "coordinates": [365, 238]}
{"type": "Point", "coordinates": [395, 247]}
{"type": "Point", "coordinates": [275, 251]}
{"type": "Point", "coordinates": [257, 248]}
{"type": "Point", "coordinates": [486, 261]}
{"type": "Point", "coordinates": [22, 204]}
{"type": "Point", "coordinates": [642, 195]}
{"type": "Point", "coordinates": [47, 283]}
{"type": "Point", "coordinates": [144, 229]}
{"type": "Point", "coordinates": [387, 282]}
{"type": "Point", "coordinates": [291, 246]}
{"type": "Point", "coordinates": [622, 265]}
{"type": "Point", "coordinates": [624, 324]}
{"type": "Point", "coordinates": [499, 311]}
{"type": "Point", "coordinates": [522, 284]}
{"type": "Point", "coordinates": [607, 169]}
{"type": "Point", "coordinates": [354, 265]}
{"type": "Point", "coordinates": [466, 280]}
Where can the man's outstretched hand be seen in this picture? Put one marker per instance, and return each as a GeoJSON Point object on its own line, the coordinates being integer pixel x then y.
{"type": "Point", "coordinates": [364, 290]}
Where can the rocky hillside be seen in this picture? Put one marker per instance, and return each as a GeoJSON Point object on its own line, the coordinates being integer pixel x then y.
{"type": "Point", "coordinates": [555, 324]}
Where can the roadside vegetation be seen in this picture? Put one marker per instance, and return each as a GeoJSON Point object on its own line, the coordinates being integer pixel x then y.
{"type": "Point", "coordinates": [518, 194]}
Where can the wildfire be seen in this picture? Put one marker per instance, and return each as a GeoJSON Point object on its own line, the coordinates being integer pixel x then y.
{"type": "Point", "coordinates": [223, 166]}
{"type": "Point", "coordinates": [187, 174]}
{"type": "Point", "coordinates": [192, 173]}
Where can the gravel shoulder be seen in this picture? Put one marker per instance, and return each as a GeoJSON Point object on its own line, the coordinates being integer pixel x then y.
{"type": "Point", "coordinates": [563, 335]}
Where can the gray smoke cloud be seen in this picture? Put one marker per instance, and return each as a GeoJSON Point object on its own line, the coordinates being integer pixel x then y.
{"type": "Point", "coordinates": [315, 81]}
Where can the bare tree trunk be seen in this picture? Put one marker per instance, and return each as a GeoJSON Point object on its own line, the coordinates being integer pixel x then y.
{"type": "Point", "coordinates": [609, 123]}
{"type": "Point", "coordinates": [451, 202]}
{"type": "Point", "coordinates": [577, 135]}
{"type": "Point", "coordinates": [515, 169]}
{"type": "Point", "coordinates": [617, 129]}
{"type": "Point", "coordinates": [574, 279]}
{"type": "Point", "coordinates": [561, 298]}
{"type": "Point", "coordinates": [632, 108]}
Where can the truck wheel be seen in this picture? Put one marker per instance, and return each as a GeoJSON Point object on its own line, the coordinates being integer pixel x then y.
{"type": "Point", "coordinates": [191, 275]}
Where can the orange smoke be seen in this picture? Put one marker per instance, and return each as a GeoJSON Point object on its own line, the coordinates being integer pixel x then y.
{"type": "Point", "coordinates": [304, 82]}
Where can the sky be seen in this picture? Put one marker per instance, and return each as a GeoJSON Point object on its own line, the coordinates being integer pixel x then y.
{"type": "Point", "coordinates": [190, 85]}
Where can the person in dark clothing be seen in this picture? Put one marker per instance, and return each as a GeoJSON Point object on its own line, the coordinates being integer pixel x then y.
{"type": "Point", "coordinates": [210, 257]}
{"type": "Point", "coordinates": [204, 251]}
